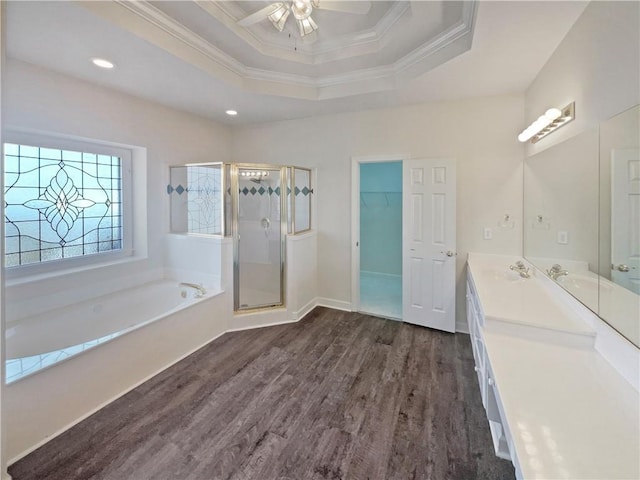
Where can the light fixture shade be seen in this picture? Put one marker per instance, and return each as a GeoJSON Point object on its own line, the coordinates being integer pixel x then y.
{"type": "Point", "coordinates": [553, 113]}
{"type": "Point", "coordinates": [552, 119]}
{"type": "Point", "coordinates": [279, 16]}
{"type": "Point", "coordinates": [301, 9]}
{"type": "Point", "coordinates": [306, 26]}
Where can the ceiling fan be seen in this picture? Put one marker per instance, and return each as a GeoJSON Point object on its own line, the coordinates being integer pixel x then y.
{"type": "Point", "coordinates": [278, 12]}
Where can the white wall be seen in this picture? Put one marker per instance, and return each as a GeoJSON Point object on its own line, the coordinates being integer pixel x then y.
{"type": "Point", "coordinates": [479, 133]}
{"type": "Point", "coordinates": [597, 65]}
{"type": "Point", "coordinates": [561, 185]}
{"type": "Point", "coordinates": [43, 100]}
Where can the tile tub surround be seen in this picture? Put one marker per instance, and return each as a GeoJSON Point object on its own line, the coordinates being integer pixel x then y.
{"type": "Point", "coordinates": [565, 410]}
{"type": "Point", "coordinates": [337, 395]}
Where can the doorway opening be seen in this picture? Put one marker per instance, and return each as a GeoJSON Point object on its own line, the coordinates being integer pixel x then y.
{"type": "Point", "coordinates": [381, 239]}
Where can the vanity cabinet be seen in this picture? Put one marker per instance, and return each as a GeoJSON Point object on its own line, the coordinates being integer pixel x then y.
{"type": "Point", "coordinates": [488, 388]}
{"type": "Point", "coordinates": [553, 402]}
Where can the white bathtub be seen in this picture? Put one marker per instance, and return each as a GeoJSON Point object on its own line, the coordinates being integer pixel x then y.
{"type": "Point", "coordinates": [40, 341]}
{"type": "Point", "coordinates": [71, 361]}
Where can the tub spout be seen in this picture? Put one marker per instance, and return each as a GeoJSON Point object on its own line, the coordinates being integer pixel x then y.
{"type": "Point", "coordinates": [196, 286]}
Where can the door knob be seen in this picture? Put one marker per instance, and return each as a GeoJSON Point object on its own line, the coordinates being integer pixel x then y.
{"type": "Point", "coordinates": [449, 253]}
{"type": "Point", "coordinates": [622, 267]}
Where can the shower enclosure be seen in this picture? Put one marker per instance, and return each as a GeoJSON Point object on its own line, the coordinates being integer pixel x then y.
{"type": "Point", "coordinates": [258, 236]}
{"type": "Point", "coordinates": [258, 206]}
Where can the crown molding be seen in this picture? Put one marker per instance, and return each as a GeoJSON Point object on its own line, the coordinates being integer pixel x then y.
{"type": "Point", "coordinates": [155, 26]}
{"type": "Point", "coordinates": [460, 30]}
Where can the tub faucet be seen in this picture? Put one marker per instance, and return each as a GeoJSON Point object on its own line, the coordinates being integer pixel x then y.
{"type": "Point", "coordinates": [556, 271]}
{"type": "Point", "coordinates": [521, 269]}
{"type": "Point", "coordinates": [199, 288]}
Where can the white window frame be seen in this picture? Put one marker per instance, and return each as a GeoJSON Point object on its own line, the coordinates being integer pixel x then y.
{"type": "Point", "coordinates": [65, 265]}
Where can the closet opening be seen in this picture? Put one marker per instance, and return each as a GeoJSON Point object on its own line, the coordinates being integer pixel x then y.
{"type": "Point", "coordinates": [380, 225]}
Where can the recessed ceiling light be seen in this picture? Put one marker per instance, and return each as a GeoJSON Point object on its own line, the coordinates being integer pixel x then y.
{"type": "Point", "coordinates": [231, 112]}
{"type": "Point", "coordinates": [102, 63]}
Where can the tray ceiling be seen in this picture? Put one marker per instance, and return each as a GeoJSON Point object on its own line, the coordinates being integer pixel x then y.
{"type": "Point", "coordinates": [192, 54]}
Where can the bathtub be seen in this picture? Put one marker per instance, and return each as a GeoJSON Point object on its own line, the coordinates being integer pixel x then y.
{"type": "Point", "coordinates": [43, 340]}
{"type": "Point", "coordinates": [67, 363]}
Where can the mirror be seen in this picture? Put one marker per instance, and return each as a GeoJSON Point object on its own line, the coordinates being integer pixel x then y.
{"type": "Point", "coordinates": [582, 219]}
{"type": "Point", "coordinates": [619, 292]}
{"type": "Point", "coordinates": [561, 215]}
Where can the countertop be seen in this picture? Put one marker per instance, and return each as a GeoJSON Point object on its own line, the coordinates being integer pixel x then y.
{"type": "Point", "coordinates": [569, 413]}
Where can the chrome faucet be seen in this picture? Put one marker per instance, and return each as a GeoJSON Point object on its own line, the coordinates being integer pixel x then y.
{"type": "Point", "coordinates": [521, 269]}
{"type": "Point", "coordinates": [556, 271]}
{"type": "Point", "coordinates": [199, 288]}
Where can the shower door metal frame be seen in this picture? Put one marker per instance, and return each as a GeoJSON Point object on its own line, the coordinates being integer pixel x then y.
{"type": "Point", "coordinates": [292, 174]}
{"type": "Point", "coordinates": [235, 214]}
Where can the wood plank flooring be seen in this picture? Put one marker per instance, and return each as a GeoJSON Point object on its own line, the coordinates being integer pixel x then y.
{"type": "Point", "coordinates": [336, 396]}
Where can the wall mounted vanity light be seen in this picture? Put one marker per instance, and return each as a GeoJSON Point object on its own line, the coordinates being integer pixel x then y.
{"type": "Point", "coordinates": [552, 119]}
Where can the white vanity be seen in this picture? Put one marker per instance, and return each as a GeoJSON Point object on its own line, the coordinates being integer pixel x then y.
{"type": "Point", "coordinates": [560, 387]}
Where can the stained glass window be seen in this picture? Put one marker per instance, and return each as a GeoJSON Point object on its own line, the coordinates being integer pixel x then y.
{"type": "Point", "coordinates": [60, 204]}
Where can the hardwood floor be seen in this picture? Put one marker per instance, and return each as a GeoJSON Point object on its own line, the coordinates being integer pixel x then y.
{"type": "Point", "coordinates": [336, 396]}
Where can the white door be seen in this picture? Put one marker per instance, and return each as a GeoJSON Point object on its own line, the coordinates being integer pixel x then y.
{"type": "Point", "coordinates": [625, 218]}
{"type": "Point", "coordinates": [429, 243]}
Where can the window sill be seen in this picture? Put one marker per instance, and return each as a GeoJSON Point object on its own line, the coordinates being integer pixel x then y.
{"type": "Point", "coordinates": [13, 277]}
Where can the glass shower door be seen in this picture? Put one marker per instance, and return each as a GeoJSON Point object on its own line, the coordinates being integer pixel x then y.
{"type": "Point", "coordinates": [259, 237]}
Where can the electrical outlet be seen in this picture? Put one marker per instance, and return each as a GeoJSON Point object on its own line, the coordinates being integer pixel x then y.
{"type": "Point", "coordinates": [563, 237]}
{"type": "Point", "coordinates": [488, 233]}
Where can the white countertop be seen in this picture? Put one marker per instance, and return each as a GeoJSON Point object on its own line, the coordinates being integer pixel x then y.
{"type": "Point", "coordinates": [508, 297]}
{"type": "Point", "coordinates": [570, 414]}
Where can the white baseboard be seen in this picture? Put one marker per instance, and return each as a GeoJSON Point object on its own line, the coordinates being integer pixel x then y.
{"type": "Point", "coordinates": [335, 304]}
{"type": "Point", "coordinates": [462, 327]}
{"type": "Point", "coordinates": [260, 325]}
{"type": "Point", "coordinates": [300, 314]}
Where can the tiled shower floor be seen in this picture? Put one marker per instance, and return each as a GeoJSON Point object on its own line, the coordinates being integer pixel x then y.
{"type": "Point", "coordinates": [381, 294]}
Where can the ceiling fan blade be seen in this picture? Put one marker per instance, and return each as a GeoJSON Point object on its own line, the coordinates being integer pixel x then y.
{"type": "Point", "coordinates": [360, 6]}
{"type": "Point", "coordinates": [259, 15]}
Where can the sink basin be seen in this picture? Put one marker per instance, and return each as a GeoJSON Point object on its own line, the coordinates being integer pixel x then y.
{"type": "Point", "coordinates": [583, 287]}
{"type": "Point", "coordinates": [579, 282]}
{"type": "Point", "coordinates": [505, 274]}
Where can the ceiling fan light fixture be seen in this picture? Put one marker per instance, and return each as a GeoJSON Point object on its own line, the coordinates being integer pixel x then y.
{"type": "Point", "coordinates": [306, 26]}
{"type": "Point", "coordinates": [301, 9]}
{"type": "Point", "coordinates": [279, 16]}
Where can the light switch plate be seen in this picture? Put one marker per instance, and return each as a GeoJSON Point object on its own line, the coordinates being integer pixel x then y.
{"type": "Point", "coordinates": [563, 237]}
{"type": "Point", "coordinates": [488, 233]}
